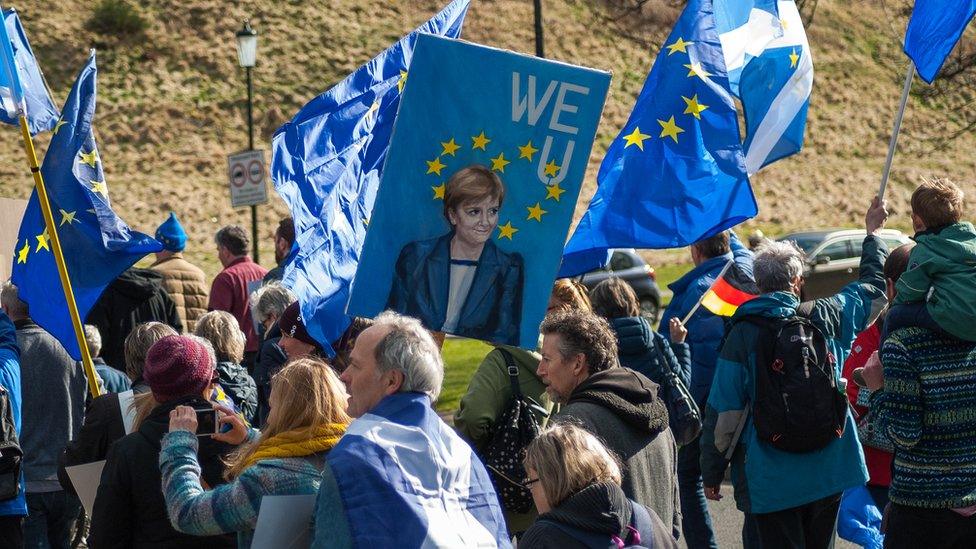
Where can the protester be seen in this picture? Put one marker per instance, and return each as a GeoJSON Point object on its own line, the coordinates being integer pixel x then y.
{"type": "Point", "coordinates": [230, 289]}
{"type": "Point", "coordinates": [222, 331]}
{"type": "Point", "coordinates": [938, 291]}
{"type": "Point", "coordinates": [295, 340]}
{"type": "Point", "coordinates": [307, 418]}
{"type": "Point", "coordinates": [53, 389]}
{"type": "Point", "coordinates": [878, 455]}
{"type": "Point", "coordinates": [135, 297]}
{"type": "Point", "coordinates": [756, 239]}
{"type": "Point", "coordinates": [568, 294]}
{"type": "Point", "coordinates": [267, 304]}
{"type": "Point", "coordinates": [620, 406]}
{"type": "Point", "coordinates": [400, 477]}
{"type": "Point", "coordinates": [705, 331]}
{"type": "Point", "coordinates": [638, 346]}
{"type": "Point", "coordinates": [285, 249]}
{"type": "Point", "coordinates": [792, 491]}
{"type": "Point", "coordinates": [343, 347]}
{"type": "Point", "coordinates": [185, 283]}
{"type": "Point", "coordinates": [12, 509]}
{"type": "Point", "coordinates": [129, 509]}
{"type": "Point", "coordinates": [110, 379]}
{"type": "Point", "coordinates": [575, 483]}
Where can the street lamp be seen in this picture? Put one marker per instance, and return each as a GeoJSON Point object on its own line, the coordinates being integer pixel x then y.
{"type": "Point", "coordinates": [247, 52]}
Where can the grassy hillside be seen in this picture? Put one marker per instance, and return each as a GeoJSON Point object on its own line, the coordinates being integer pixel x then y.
{"type": "Point", "coordinates": [171, 98]}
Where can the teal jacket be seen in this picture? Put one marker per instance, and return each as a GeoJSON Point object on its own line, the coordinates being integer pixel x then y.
{"type": "Point", "coordinates": [944, 263]}
{"type": "Point", "coordinates": [766, 479]}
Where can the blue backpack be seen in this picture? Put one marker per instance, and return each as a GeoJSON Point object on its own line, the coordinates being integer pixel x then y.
{"type": "Point", "coordinates": [640, 521]}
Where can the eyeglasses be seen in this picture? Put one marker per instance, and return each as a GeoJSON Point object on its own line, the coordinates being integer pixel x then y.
{"type": "Point", "coordinates": [529, 482]}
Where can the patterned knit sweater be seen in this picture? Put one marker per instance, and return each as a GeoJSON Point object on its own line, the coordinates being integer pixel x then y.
{"type": "Point", "coordinates": [231, 507]}
{"type": "Point", "coordinates": [928, 408]}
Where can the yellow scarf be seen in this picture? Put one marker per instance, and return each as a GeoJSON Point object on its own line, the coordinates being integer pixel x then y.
{"type": "Point", "coordinates": [298, 443]}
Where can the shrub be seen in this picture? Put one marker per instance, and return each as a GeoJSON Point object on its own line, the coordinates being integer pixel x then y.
{"type": "Point", "coordinates": [117, 17]}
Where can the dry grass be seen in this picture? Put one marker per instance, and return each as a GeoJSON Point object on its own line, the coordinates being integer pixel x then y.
{"type": "Point", "coordinates": [171, 102]}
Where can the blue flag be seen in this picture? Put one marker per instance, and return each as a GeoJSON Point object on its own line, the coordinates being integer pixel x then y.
{"type": "Point", "coordinates": [98, 246]}
{"type": "Point", "coordinates": [326, 165]}
{"type": "Point", "coordinates": [22, 85]}
{"type": "Point", "coordinates": [933, 30]}
{"type": "Point", "coordinates": [676, 173]}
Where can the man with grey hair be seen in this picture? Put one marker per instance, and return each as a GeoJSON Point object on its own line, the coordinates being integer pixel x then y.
{"type": "Point", "coordinates": [268, 303]}
{"type": "Point", "coordinates": [779, 353]}
{"type": "Point", "coordinates": [400, 476]}
{"type": "Point", "coordinates": [110, 379]}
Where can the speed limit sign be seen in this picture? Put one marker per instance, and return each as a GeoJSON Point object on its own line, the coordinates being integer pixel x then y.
{"type": "Point", "coordinates": [246, 174]}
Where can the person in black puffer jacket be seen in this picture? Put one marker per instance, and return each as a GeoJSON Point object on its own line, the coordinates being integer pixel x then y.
{"type": "Point", "coordinates": [129, 508]}
{"type": "Point", "coordinates": [220, 328]}
{"type": "Point", "coordinates": [575, 483]}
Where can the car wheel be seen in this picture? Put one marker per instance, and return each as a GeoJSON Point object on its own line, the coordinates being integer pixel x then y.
{"type": "Point", "coordinates": [649, 309]}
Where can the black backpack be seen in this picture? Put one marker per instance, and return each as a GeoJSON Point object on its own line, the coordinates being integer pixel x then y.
{"type": "Point", "coordinates": [513, 432]}
{"type": "Point", "coordinates": [684, 417]}
{"type": "Point", "coordinates": [11, 455]}
{"type": "Point", "coordinates": [799, 406]}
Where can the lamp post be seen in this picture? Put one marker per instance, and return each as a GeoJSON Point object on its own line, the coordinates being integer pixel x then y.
{"type": "Point", "coordinates": [539, 39]}
{"type": "Point", "coordinates": [247, 51]}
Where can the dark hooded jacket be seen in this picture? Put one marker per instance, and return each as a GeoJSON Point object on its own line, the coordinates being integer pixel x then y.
{"type": "Point", "coordinates": [621, 407]}
{"type": "Point", "coordinates": [637, 350]}
{"type": "Point", "coordinates": [240, 387]}
{"type": "Point", "coordinates": [129, 509]}
{"type": "Point", "coordinates": [599, 509]}
{"type": "Point", "coordinates": [136, 296]}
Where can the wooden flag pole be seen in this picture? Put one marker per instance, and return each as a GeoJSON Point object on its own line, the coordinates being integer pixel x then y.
{"type": "Point", "coordinates": [52, 231]}
{"type": "Point", "coordinates": [906, 91]}
{"type": "Point", "coordinates": [697, 305]}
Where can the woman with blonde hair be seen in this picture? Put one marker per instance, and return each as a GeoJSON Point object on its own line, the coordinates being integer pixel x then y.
{"type": "Point", "coordinates": [575, 483]}
{"type": "Point", "coordinates": [221, 329]}
{"type": "Point", "coordinates": [307, 418]}
{"type": "Point", "coordinates": [568, 294]}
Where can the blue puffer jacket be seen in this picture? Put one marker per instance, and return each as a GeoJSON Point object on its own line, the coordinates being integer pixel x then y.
{"type": "Point", "coordinates": [766, 479]}
{"type": "Point", "coordinates": [636, 350]}
{"type": "Point", "coordinates": [705, 330]}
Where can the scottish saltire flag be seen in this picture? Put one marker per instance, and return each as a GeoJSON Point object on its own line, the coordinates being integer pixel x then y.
{"type": "Point", "coordinates": [676, 173]}
{"type": "Point", "coordinates": [773, 86]}
{"type": "Point", "coordinates": [933, 30]}
{"type": "Point", "coordinates": [400, 477]}
{"type": "Point", "coordinates": [22, 87]}
{"type": "Point", "coordinates": [326, 165]}
{"type": "Point", "coordinates": [97, 244]}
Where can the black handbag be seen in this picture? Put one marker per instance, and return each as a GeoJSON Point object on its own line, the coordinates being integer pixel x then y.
{"type": "Point", "coordinates": [11, 456]}
{"type": "Point", "coordinates": [513, 432]}
{"type": "Point", "coordinates": [684, 417]}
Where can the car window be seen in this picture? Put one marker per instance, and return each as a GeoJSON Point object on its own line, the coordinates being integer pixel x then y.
{"type": "Point", "coordinates": [806, 243]}
{"type": "Point", "coordinates": [620, 261]}
{"type": "Point", "coordinates": [837, 250]}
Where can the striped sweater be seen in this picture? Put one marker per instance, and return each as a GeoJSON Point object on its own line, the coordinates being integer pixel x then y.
{"type": "Point", "coordinates": [928, 408]}
{"type": "Point", "coordinates": [231, 507]}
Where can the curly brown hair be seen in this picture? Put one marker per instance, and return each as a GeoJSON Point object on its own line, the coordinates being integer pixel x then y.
{"type": "Point", "coordinates": [583, 332]}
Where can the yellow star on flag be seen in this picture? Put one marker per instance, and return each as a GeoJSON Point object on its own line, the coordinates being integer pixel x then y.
{"type": "Point", "coordinates": [480, 141]}
{"type": "Point", "coordinates": [693, 107]}
{"type": "Point", "coordinates": [527, 150]}
{"type": "Point", "coordinates": [22, 254]}
{"type": "Point", "coordinates": [695, 69]}
{"type": "Point", "coordinates": [438, 191]}
{"type": "Point", "coordinates": [536, 212]}
{"type": "Point", "coordinates": [636, 138]}
{"type": "Point", "coordinates": [58, 126]}
{"type": "Point", "coordinates": [794, 57]}
{"type": "Point", "coordinates": [551, 168]}
{"type": "Point", "coordinates": [782, 22]}
{"type": "Point", "coordinates": [402, 81]}
{"type": "Point", "coordinates": [42, 241]}
{"type": "Point", "coordinates": [498, 163]}
{"type": "Point", "coordinates": [67, 217]}
{"type": "Point", "coordinates": [90, 158]}
{"type": "Point", "coordinates": [506, 231]}
{"type": "Point", "coordinates": [99, 187]}
{"type": "Point", "coordinates": [450, 147]}
{"type": "Point", "coordinates": [554, 191]}
{"type": "Point", "coordinates": [670, 129]}
{"type": "Point", "coordinates": [435, 166]}
{"type": "Point", "coordinates": [679, 45]}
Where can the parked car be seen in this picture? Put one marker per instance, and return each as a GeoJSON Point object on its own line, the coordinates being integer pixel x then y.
{"type": "Point", "coordinates": [631, 267]}
{"type": "Point", "coordinates": [833, 257]}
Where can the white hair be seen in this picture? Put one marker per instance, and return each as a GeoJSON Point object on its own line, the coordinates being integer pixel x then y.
{"type": "Point", "coordinates": [10, 298]}
{"type": "Point", "coordinates": [409, 348]}
{"type": "Point", "coordinates": [776, 265]}
{"type": "Point", "coordinates": [272, 298]}
{"type": "Point", "coordinates": [94, 340]}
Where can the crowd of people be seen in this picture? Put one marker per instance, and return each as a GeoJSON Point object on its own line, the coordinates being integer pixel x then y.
{"type": "Point", "coordinates": [871, 387]}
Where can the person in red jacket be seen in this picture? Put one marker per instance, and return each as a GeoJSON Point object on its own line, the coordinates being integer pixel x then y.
{"type": "Point", "coordinates": [229, 291]}
{"type": "Point", "coordinates": [877, 456]}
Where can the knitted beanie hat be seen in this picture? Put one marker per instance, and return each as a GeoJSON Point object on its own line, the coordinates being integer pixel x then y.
{"type": "Point", "coordinates": [178, 366]}
{"type": "Point", "coordinates": [290, 323]}
{"type": "Point", "coordinates": [171, 234]}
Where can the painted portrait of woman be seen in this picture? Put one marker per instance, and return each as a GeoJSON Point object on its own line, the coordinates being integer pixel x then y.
{"type": "Point", "coordinates": [461, 282]}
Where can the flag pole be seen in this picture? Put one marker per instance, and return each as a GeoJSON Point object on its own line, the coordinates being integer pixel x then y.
{"type": "Point", "coordinates": [906, 91]}
{"type": "Point", "coordinates": [698, 304]}
{"type": "Point", "coordinates": [52, 231]}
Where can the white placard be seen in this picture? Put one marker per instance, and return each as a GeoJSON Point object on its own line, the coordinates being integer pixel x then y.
{"type": "Point", "coordinates": [285, 522]}
{"type": "Point", "coordinates": [86, 478]}
{"type": "Point", "coordinates": [246, 178]}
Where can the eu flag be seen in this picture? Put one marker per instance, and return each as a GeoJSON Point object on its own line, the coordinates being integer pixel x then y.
{"type": "Point", "coordinates": [21, 82]}
{"type": "Point", "coordinates": [933, 30]}
{"type": "Point", "coordinates": [676, 173]}
{"type": "Point", "coordinates": [97, 244]}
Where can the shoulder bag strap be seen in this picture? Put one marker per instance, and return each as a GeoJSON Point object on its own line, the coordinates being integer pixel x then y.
{"type": "Point", "coordinates": [513, 373]}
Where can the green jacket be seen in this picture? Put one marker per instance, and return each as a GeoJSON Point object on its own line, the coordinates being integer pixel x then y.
{"type": "Point", "coordinates": [944, 263]}
{"type": "Point", "coordinates": [488, 397]}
